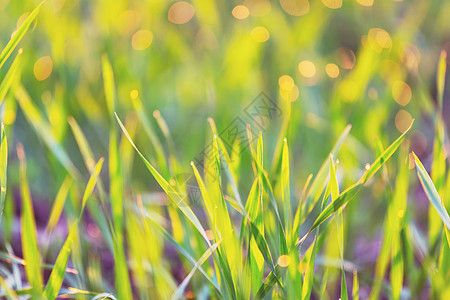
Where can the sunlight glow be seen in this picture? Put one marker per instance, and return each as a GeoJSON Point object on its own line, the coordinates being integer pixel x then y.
{"type": "Point", "coordinates": [401, 93]}
{"type": "Point", "coordinates": [240, 12]}
{"type": "Point", "coordinates": [181, 12]}
{"type": "Point", "coordinates": [43, 68]}
{"type": "Point", "coordinates": [365, 2]}
{"type": "Point", "coordinates": [333, 4]}
{"type": "Point", "coordinates": [284, 261]}
{"type": "Point", "coordinates": [307, 68]}
{"type": "Point", "coordinates": [402, 120]}
{"type": "Point", "coordinates": [142, 39]}
{"type": "Point", "coordinates": [332, 70]}
{"type": "Point", "coordinates": [295, 7]}
{"type": "Point", "coordinates": [260, 34]}
{"type": "Point", "coordinates": [286, 82]}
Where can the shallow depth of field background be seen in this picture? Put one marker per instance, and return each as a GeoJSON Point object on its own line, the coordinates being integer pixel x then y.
{"type": "Point", "coordinates": [367, 63]}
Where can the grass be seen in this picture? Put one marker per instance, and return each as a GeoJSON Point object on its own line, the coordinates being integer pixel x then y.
{"type": "Point", "coordinates": [101, 199]}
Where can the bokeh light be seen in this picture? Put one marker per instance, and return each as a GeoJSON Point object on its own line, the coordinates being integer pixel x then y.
{"type": "Point", "coordinates": [142, 39]}
{"type": "Point", "coordinates": [402, 120]}
{"type": "Point", "coordinates": [286, 82]}
{"type": "Point", "coordinates": [181, 12]}
{"type": "Point", "coordinates": [332, 70]}
{"type": "Point", "coordinates": [240, 12]}
{"type": "Point", "coordinates": [260, 34]}
{"type": "Point", "coordinates": [290, 95]}
{"type": "Point", "coordinates": [365, 2]}
{"type": "Point", "coordinates": [379, 39]}
{"type": "Point", "coordinates": [307, 68]}
{"type": "Point", "coordinates": [295, 7]}
{"type": "Point", "coordinates": [43, 68]}
{"type": "Point", "coordinates": [333, 4]}
{"type": "Point", "coordinates": [134, 94]}
{"type": "Point", "coordinates": [401, 93]}
{"type": "Point", "coordinates": [284, 261]}
{"type": "Point", "coordinates": [346, 58]}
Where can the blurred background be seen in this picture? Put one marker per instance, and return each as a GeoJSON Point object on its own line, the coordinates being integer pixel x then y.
{"type": "Point", "coordinates": [368, 63]}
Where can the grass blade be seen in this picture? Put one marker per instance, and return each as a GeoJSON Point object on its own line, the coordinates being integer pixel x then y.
{"type": "Point", "coordinates": [155, 142]}
{"type": "Point", "coordinates": [109, 86]}
{"type": "Point", "coordinates": [183, 251]}
{"type": "Point", "coordinates": [3, 169]}
{"type": "Point", "coordinates": [355, 290]}
{"type": "Point", "coordinates": [309, 273]}
{"type": "Point", "coordinates": [29, 238]}
{"type": "Point", "coordinates": [43, 130]}
{"type": "Point", "coordinates": [8, 291]}
{"type": "Point", "coordinates": [385, 156]}
{"type": "Point", "coordinates": [58, 205]}
{"type": "Point", "coordinates": [440, 80]}
{"type": "Point", "coordinates": [285, 192]}
{"type": "Point", "coordinates": [179, 292]}
{"type": "Point", "coordinates": [57, 276]}
{"type": "Point", "coordinates": [171, 193]}
{"type": "Point", "coordinates": [348, 194]}
{"type": "Point", "coordinates": [12, 74]}
{"type": "Point", "coordinates": [91, 184]}
{"type": "Point", "coordinates": [18, 35]}
{"type": "Point", "coordinates": [431, 192]}
{"type": "Point", "coordinates": [319, 182]}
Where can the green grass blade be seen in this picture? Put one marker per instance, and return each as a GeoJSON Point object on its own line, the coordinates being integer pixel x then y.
{"type": "Point", "coordinates": [309, 273]}
{"type": "Point", "coordinates": [319, 182]}
{"type": "Point", "coordinates": [349, 193]}
{"type": "Point", "coordinates": [109, 86]}
{"type": "Point", "coordinates": [334, 189]}
{"type": "Point", "coordinates": [268, 188]}
{"type": "Point", "coordinates": [59, 269]}
{"type": "Point", "coordinates": [8, 291]}
{"type": "Point", "coordinates": [431, 192]}
{"type": "Point", "coordinates": [155, 142]}
{"type": "Point", "coordinates": [86, 152]}
{"type": "Point", "coordinates": [173, 161]}
{"type": "Point", "coordinates": [440, 80]}
{"type": "Point", "coordinates": [171, 193]}
{"type": "Point", "coordinates": [183, 251]}
{"type": "Point", "coordinates": [397, 267]}
{"type": "Point", "coordinates": [116, 195]}
{"type": "Point", "coordinates": [285, 191]}
{"type": "Point", "coordinates": [91, 185]}
{"type": "Point", "coordinates": [18, 35]}
{"type": "Point", "coordinates": [122, 279]}
{"type": "Point", "coordinates": [355, 290]}
{"type": "Point", "coordinates": [83, 144]}
{"type": "Point", "coordinates": [344, 293]}
{"type": "Point", "coordinates": [268, 284]}
{"type": "Point", "coordinates": [43, 130]}
{"type": "Point", "coordinates": [179, 292]}
{"type": "Point", "coordinates": [323, 287]}
{"type": "Point", "coordinates": [3, 168]}
{"type": "Point", "coordinates": [298, 213]}
{"type": "Point", "coordinates": [57, 275]}
{"type": "Point", "coordinates": [438, 167]}
{"type": "Point", "coordinates": [262, 245]}
{"type": "Point", "coordinates": [29, 237]}
{"type": "Point", "coordinates": [58, 205]}
{"type": "Point", "coordinates": [9, 78]}
{"type": "Point", "coordinates": [386, 155]}
{"type": "Point", "coordinates": [343, 198]}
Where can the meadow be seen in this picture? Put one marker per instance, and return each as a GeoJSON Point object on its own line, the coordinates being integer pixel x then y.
{"type": "Point", "coordinates": [291, 149]}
